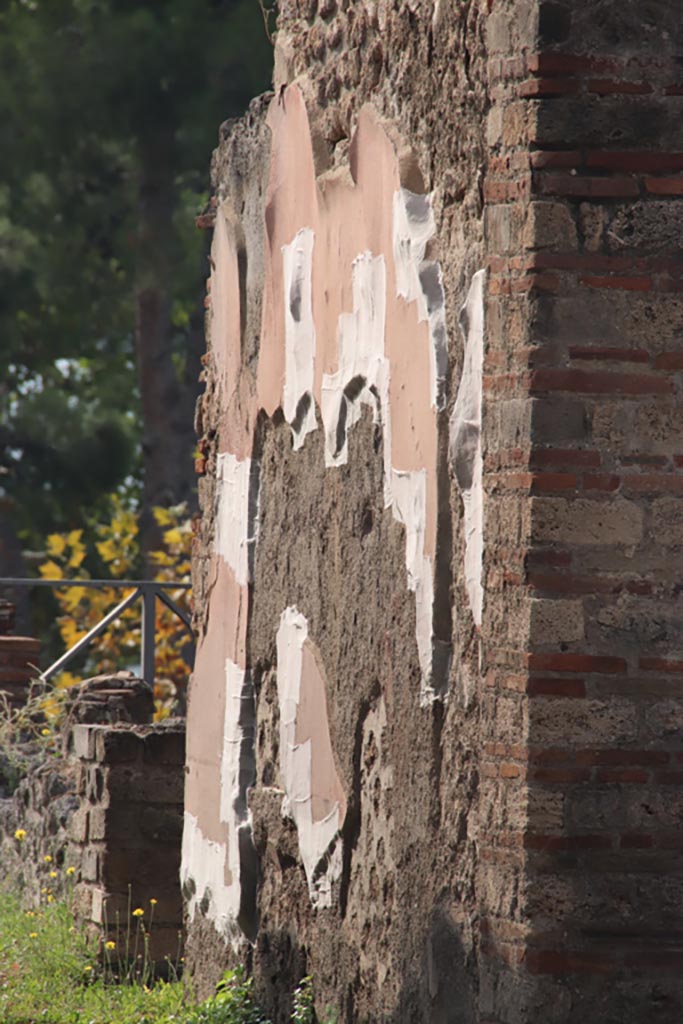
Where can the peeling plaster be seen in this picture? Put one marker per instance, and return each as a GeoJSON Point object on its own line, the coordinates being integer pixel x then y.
{"type": "Point", "coordinates": [314, 799]}
{"type": "Point", "coordinates": [233, 542]}
{"type": "Point", "coordinates": [465, 441]}
{"type": "Point", "coordinates": [389, 351]}
{"type": "Point", "coordinates": [363, 374]}
{"type": "Point", "coordinates": [409, 507]}
{"type": "Point", "coordinates": [207, 859]}
{"type": "Point", "coordinates": [297, 403]}
{"type": "Point", "coordinates": [419, 280]}
{"type": "Point", "coordinates": [353, 314]}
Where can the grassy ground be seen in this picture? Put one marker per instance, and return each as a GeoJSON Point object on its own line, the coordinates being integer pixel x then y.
{"type": "Point", "coordinates": [50, 973]}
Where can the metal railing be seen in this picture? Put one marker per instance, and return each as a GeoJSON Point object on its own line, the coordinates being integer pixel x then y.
{"type": "Point", "coordinates": [146, 590]}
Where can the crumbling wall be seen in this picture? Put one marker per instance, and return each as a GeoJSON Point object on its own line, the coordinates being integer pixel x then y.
{"type": "Point", "coordinates": [126, 833]}
{"type": "Point", "coordinates": [410, 579]}
{"type": "Point", "coordinates": [101, 823]}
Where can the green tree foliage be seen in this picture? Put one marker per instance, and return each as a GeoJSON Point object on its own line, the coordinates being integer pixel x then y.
{"type": "Point", "coordinates": [109, 110]}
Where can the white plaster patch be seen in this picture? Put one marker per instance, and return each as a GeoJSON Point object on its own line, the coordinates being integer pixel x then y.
{"type": "Point", "coordinates": [363, 373]}
{"type": "Point", "coordinates": [465, 441]}
{"type": "Point", "coordinates": [362, 361]}
{"type": "Point", "coordinates": [298, 404]}
{"type": "Point", "coordinates": [316, 838]}
{"type": "Point", "coordinates": [420, 281]}
{"type": "Point", "coordinates": [409, 504]}
{"type": "Point", "coordinates": [233, 543]}
{"type": "Point", "coordinates": [233, 810]}
{"type": "Point", "coordinates": [202, 875]}
{"type": "Point", "coordinates": [215, 868]}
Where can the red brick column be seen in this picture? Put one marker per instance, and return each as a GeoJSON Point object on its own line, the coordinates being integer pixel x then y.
{"type": "Point", "coordinates": [585, 353]}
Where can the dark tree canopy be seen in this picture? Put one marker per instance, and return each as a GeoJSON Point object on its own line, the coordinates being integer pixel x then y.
{"type": "Point", "coordinates": [109, 111]}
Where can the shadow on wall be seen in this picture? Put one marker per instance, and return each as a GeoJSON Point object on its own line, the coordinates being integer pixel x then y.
{"type": "Point", "coordinates": [439, 990]}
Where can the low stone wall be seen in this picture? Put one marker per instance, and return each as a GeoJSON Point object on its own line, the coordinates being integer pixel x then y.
{"type": "Point", "coordinates": [34, 831]}
{"type": "Point", "coordinates": [105, 820]}
{"type": "Point", "coordinates": [126, 833]}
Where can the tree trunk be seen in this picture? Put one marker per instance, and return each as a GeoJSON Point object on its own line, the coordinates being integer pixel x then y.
{"type": "Point", "coordinates": [167, 401]}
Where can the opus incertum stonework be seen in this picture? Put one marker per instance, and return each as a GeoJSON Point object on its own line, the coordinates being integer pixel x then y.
{"type": "Point", "coordinates": [435, 731]}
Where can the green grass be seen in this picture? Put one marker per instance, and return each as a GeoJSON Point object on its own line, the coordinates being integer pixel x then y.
{"type": "Point", "coordinates": [50, 974]}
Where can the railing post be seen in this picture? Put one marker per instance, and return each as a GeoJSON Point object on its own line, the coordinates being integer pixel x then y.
{"type": "Point", "coordinates": [147, 652]}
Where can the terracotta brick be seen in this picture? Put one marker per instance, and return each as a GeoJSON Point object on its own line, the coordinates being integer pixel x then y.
{"type": "Point", "coordinates": [654, 483]}
{"type": "Point", "coordinates": [628, 284]}
{"type": "Point", "coordinates": [669, 361]}
{"type": "Point", "coordinates": [634, 161]}
{"type": "Point", "coordinates": [664, 186]}
{"type": "Point", "coordinates": [585, 187]}
{"type": "Point", "coordinates": [543, 159]}
{"type": "Point", "coordinates": [544, 687]}
{"type": "Point", "coordinates": [535, 88]}
{"type": "Point", "coordinates": [576, 663]}
{"type": "Point", "coordinates": [636, 841]}
{"type": "Point", "coordinates": [601, 482]}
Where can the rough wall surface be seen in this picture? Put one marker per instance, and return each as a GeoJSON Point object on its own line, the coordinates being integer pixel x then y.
{"type": "Point", "coordinates": [125, 835]}
{"type": "Point", "coordinates": [435, 704]}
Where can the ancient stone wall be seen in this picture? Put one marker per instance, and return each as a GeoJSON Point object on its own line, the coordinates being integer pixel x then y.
{"type": "Point", "coordinates": [102, 824]}
{"type": "Point", "coordinates": [126, 833]}
{"type": "Point", "coordinates": [434, 709]}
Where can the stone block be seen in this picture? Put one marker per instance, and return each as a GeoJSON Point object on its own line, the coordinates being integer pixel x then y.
{"type": "Point", "coordinates": [549, 226]}
{"type": "Point", "coordinates": [97, 820]}
{"type": "Point", "coordinates": [163, 785]}
{"type": "Point", "coordinates": [553, 622]}
{"type": "Point", "coordinates": [113, 746]}
{"type": "Point", "coordinates": [583, 723]}
{"type": "Point", "coordinates": [94, 783]}
{"type": "Point", "coordinates": [667, 521]}
{"type": "Point", "coordinates": [584, 522]}
{"type": "Point", "coordinates": [165, 745]}
{"type": "Point", "coordinates": [558, 420]}
{"type": "Point", "coordinates": [78, 828]}
{"type": "Point", "coordinates": [83, 742]}
{"type": "Point", "coordinates": [91, 863]}
{"type": "Point", "coordinates": [146, 868]}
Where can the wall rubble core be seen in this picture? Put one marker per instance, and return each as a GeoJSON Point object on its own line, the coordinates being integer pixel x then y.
{"type": "Point", "coordinates": [433, 730]}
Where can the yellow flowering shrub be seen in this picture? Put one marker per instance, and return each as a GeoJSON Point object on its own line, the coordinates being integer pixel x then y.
{"type": "Point", "coordinates": [116, 544]}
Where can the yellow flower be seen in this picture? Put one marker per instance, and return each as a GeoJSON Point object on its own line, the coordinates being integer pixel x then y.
{"type": "Point", "coordinates": [138, 912]}
{"type": "Point", "coordinates": [33, 935]}
{"type": "Point", "coordinates": [20, 834]}
{"type": "Point", "coordinates": [110, 945]}
{"type": "Point", "coordinates": [47, 858]}
{"type": "Point", "coordinates": [153, 902]}
{"type": "Point", "coordinates": [56, 544]}
{"type": "Point", "coordinates": [49, 898]}
{"type": "Point", "coordinates": [87, 968]}
{"type": "Point", "coordinates": [53, 874]}
{"type": "Point", "coordinates": [71, 871]}
{"type": "Point", "coordinates": [44, 732]}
